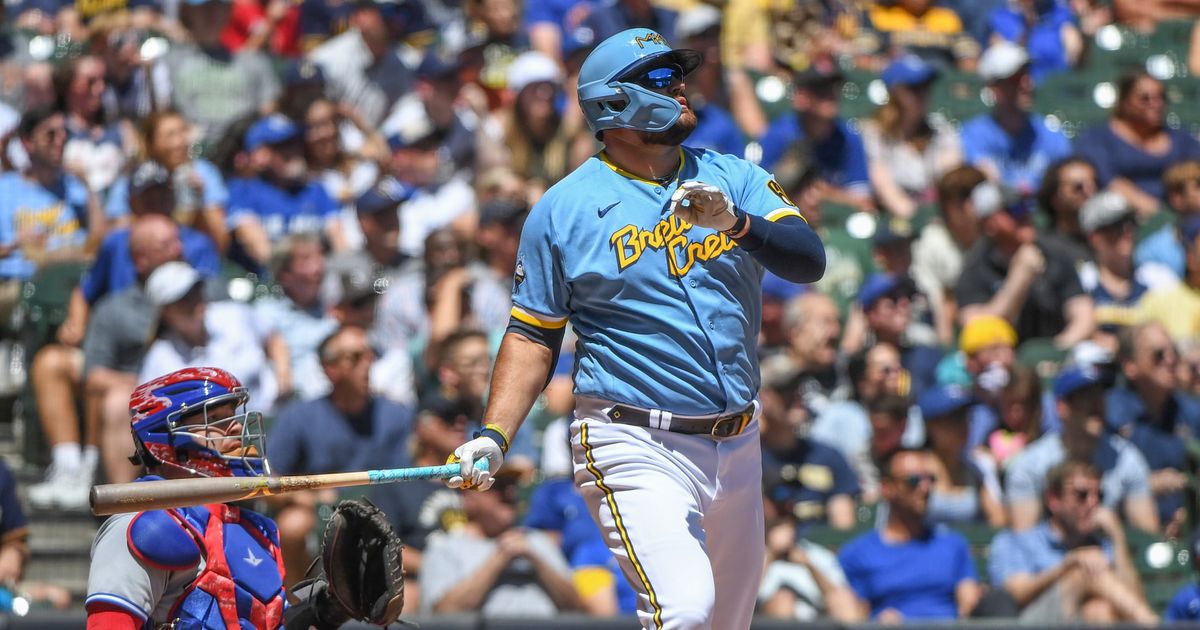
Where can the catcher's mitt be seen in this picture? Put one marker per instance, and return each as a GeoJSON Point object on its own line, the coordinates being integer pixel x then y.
{"type": "Point", "coordinates": [361, 558]}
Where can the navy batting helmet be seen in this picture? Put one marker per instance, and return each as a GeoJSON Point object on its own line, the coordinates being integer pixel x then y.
{"type": "Point", "coordinates": [608, 98]}
{"type": "Point", "coordinates": [175, 424]}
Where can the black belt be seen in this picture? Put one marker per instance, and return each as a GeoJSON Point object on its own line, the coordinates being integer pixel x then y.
{"type": "Point", "coordinates": [718, 427]}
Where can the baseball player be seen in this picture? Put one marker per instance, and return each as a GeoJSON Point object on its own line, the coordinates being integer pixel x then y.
{"type": "Point", "coordinates": [654, 253]}
{"type": "Point", "coordinates": [213, 566]}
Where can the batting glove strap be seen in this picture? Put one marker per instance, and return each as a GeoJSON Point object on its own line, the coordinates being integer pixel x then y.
{"type": "Point", "coordinates": [496, 433]}
{"type": "Point", "coordinates": [739, 222]}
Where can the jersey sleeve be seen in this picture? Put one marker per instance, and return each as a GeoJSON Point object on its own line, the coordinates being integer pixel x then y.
{"type": "Point", "coordinates": [117, 578]}
{"type": "Point", "coordinates": [540, 292]}
{"type": "Point", "coordinates": [761, 195]}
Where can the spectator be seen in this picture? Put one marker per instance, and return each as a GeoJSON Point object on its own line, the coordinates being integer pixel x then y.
{"type": "Point", "coordinates": [1012, 274]}
{"type": "Point", "coordinates": [298, 317]}
{"type": "Point", "coordinates": [880, 397]}
{"type": "Point", "coordinates": [1066, 186]}
{"type": "Point", "coordinates": [822, 139]}
{"type": "Point", "coordinates": [512, 571]}
{"type": "Point", "coordinates": [1181, 184]}
{"type": "Point", "coordinates": [271, 26]}
{"type": "Point", "coordinates": [190, 331]}
{"type": "Point", "coordinates": [939, 249]}
{"type": "Point", "coordinates": [14, 533]}
{"type": "Point", "coordinates": [364, 65]}
{"type": "Point", "coordinates": [1045, 28]}
{"type": "Point", "coordinates": [1125, 475]}
{"type": "Point", "coordinates": [404, 309]}
{"type": "Point", "coordinates": [210, 85]}
{"type": "Point", "coordinates": [496, 42]}
{"type": "Point", "coordinates": [1156, 417]}
{"type": "Point", "coordinates": [551, 23]}
{"type": "Point", "coordinates": [804, 480]}
{"type": "Point", "coordinates": [699, 28]}
{"type": "Point", "coordinates": [918, 27]}
{"type": "Point", "coordinates": [438, 198]}
{"type": "Point", "coordinates": [1073, 565]}
{"type": "Point", "coordinates": [200, 193]}
{"type": "Point", "coordinates": [803, 581]}
{"type": "Point", "coordinates": [355, 303]}
{"type": "Point", "coordinates": [809, 362]}
{"type": "Point", "coordinates": [1020, 416]}
{"type": "Point", "coordinates": [909, 570]}
{"type": "Point", "coordinates": [378, 218]}
{"type": "Point", "coordinates": [1178, 306]}
{"type": "Point", "coordinates": [1135, 147]}
{"type": "Point", "coordinates": [439, 99]}
{"type": "Point", "coordinates": [419, 508]}
{"type": "Point", "coordinates": [281, 199]}
{"type": "Point", "coordinates": [46, 213]}
{"type": "Point", "coordinates": [1185, 605]}
{"type": "Point", "coordinates": [965, 486]}
{"type": "Point", "coordinates": [888, 302]}
{"type": "Point", "coordinates": [987, 357]}
{"type": "Point", "coordinates": [349, 429]}
{"type": "Point", "coordinates": [1011, 144]}
{"type": "Point", "coordinates": [1112, 281]}
{"type": "Point", "coordinates": [95, 151]}
{"type": "Point", "coordinates": [907, 150]}
{"type": "Point", "coordinates": [345, 174]}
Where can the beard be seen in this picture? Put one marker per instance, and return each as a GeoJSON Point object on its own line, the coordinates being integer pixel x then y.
{"type": "Point", "coordinates": [674, 136]}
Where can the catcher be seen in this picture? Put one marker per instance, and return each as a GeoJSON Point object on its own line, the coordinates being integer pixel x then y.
{"type": "Point", "coordinates": [219, 566]}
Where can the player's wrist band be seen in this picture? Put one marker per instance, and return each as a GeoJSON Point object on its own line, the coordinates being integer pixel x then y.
{"type": "Point", "coordinates": [740, 219]}
{"type": "Point", "coordinates": [496, 434]}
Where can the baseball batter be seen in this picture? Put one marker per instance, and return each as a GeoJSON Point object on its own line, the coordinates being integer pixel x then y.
{"type": "Point", "coordinates": [654, 253]}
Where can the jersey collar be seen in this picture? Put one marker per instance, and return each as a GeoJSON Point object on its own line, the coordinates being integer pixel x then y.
{"type": "Point", "coordinates": [628, 175]}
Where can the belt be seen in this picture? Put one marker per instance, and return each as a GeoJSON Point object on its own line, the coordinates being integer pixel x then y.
{"type": "Point", "coordinates": [713, 426]}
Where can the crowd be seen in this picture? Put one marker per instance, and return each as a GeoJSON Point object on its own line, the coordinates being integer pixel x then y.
{"type": "Point", "coordinates": [325, 198]}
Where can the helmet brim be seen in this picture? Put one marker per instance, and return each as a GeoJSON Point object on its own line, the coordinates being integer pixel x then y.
{"type": "Point", "coordinates": [686, 58]}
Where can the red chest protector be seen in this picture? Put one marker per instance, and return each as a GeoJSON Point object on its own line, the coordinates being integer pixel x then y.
{"type": "Point", "coordinates": [241, 584]}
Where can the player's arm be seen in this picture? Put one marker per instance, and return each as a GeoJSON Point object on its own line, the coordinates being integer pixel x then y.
{"type": "Point", "coordinates": [788, 247]}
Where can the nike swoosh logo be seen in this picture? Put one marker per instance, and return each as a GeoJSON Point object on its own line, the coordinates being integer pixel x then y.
{"type": "Point", "coordinates": [601, 212]}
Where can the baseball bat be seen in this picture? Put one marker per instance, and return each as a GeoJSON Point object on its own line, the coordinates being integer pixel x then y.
{"type": "Point", "coordinates": [163, 494]}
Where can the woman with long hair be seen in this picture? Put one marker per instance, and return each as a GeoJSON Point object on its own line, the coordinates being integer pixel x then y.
{"type": "Point", "coordinates": [96, 150]}
{"type": "Point", "coordinates": [1133, 149]}
{"type": "Point", "coordinates": [907, 151]}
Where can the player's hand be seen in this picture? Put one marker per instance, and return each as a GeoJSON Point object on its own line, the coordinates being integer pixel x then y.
{"type": "Point", "coordinates": [466, 455]}
{"type": "Point", "coordinates": [703, 205]}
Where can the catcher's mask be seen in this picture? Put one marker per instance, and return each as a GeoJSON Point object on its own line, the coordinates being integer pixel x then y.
{"type": "Point", "coordinates": [178, 422]}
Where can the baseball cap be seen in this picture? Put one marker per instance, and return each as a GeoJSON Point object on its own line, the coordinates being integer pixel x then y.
{"type": "Point", "coordinates": [985, 331]}
{"type": "Point", "coordinates": [438, 63]}
{"type": "Point", "coordinates": [879, 285]}
{"type": "Point", "coordinates": [1075, 378]}
{"type": "Point", "coordinates": [943, 400]}
{"type": "Point", "coordinates": [271, 130]}
{"type": "Point", "coordinates": [532, 67]}
{"type": "Point", "coordinates": [821, 71]}
{"type": "Point", "coordinates": [303, 71]}
{"type": "Point", "coordinates": [416, 130]}
{"type": "Point", "coordinates": [170, 282]}
{"type": "Point", "coordinates": [696, 21]}
{"type": "Point", "coordinates": [1001, 61]}
{"type": "Point", "coordinates": [385, 195]}
{"type": "Point", "coordinates": [908, 70]}
{"type": "Point", "coordinates": [147, 175]}
{"type": "Point", "coordinates": [355, 284]}
{"type": "Point", "coordinates": [1102, 210]}
{"type": "Point", "coordinates": [892, 231]}
{"type": "Point", "coordinates": [503, 212]}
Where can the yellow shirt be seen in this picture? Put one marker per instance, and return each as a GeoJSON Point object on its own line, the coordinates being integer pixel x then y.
{"type": "Point", "coordinates": [1177, 308]}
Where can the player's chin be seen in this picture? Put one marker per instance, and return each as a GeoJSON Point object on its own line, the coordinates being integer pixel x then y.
{"type": "Point", "coordinates": [676, 134]}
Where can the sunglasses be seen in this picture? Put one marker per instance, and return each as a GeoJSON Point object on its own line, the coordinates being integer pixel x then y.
{"type": "Point", "coordinates": [1150, 97]}
{"type": "Point", "coordinates": [659, 78]}
{"type": "Point", "coordinates": [1079, 186]}
{"type": "Point", "coordinates": [915, 481]}
{"type": "Point", "coordinates": [1083, 495]}
{"type": "Point", "coordinates": [1162, 355]}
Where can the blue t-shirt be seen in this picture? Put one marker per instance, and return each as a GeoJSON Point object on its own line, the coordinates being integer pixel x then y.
{"type": "Point", "coordinates": [59, 212]}
{"type": "Point", "coordinates": [1113, 157]}
{"type": "Point", "coordinates": [716, 131]}
{"type": "Point", "coordinates": [839, 159]}
{"type": "Point", "coordinates": [213, 190]}
{"type": "Point", "coordinates": [558, 507]}
{"type": "Point", "coordinates": [917, 578]}
{"type": "Point", "coordinates": [313, 436]}
{"type": "Point", "coordinates": [12, 517]}
{"type": "Point", "coordinates": [1043, 42]}
{"type": "Point", "coordinates": [667, 314]}
{"type": "Point", "coordinates": [280, 211]}
{"type": "Point", "coordinates": [113, 269]}
{"type": "Point", "coordinates": [1162, 441]}
{"type": "Point", "coordinates": [1162, 246]}
{"type": "Point", "coordinates": [1185, 606]}
{"type": "Point", "coordinates": [1022, 159]}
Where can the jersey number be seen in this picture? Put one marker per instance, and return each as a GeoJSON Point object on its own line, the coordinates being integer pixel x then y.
{"type": "Point", "coordinates": [778, 190]}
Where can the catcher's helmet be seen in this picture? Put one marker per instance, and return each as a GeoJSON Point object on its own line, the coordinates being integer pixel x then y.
{"type": "Point", "coordinates": [174, 425]}
{"type": "Point", "coordinates": [609, 101]}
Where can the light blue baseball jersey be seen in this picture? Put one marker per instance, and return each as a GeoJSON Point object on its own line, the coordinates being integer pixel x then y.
{"type": "Point", "coordinates": [667, 314]}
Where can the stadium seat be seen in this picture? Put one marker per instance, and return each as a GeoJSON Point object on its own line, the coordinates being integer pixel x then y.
{"type": "Point", "coordinates": [1164, 566]}
{"type": "Point", "coordinates": [1043, 357]}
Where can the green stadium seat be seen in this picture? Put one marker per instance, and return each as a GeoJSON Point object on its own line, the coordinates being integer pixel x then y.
{"type": "Point", "coordinates": [958, 96]}
{"type": "Point", "coordinates": [1043, 357]}
{"type": "Point", "coordinates": [1164, 566]}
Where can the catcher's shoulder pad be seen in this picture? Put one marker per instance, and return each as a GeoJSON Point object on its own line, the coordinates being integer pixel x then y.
{"type": "Point", "coordinates": [167, 539]}
{"type": "Point", "coordinates": [263, 524]}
